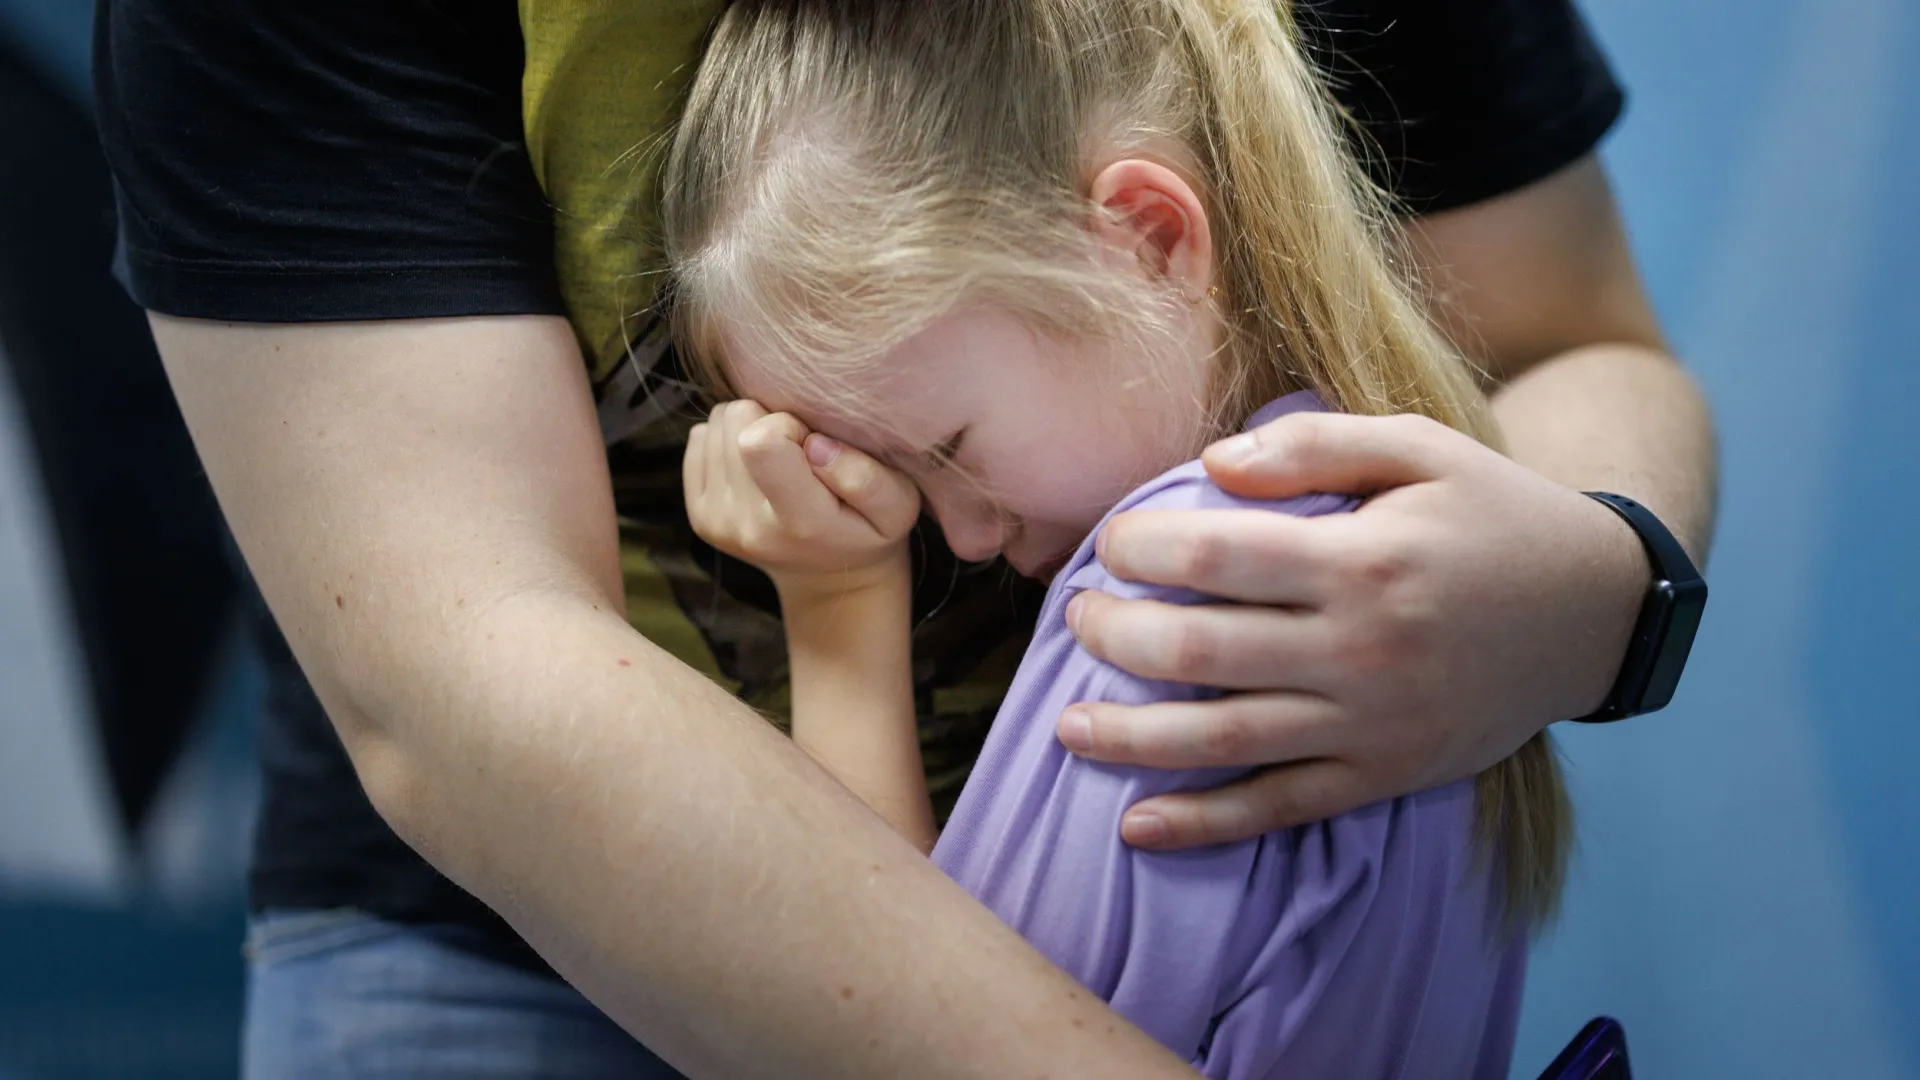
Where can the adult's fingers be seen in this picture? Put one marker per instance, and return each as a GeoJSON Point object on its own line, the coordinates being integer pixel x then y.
{"type": "Point", "coordinates": [1241, 729]}
{"type": "Point", "coordinates": [1253, 556]}
{"type": "Point", "coordinates": [1278, 798]}
{"type": "Point", "coordinates": [1303, 453]}
{"type": "Point", "coordinates": [1226, 646]}
{"type": "Point", "coordinates": [885, 497]}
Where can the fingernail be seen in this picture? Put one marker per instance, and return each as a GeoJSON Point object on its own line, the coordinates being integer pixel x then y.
{"type": "Point", "coordinates": [821, 450]}
{"type": "Point", "coordinates": [1076, 730]}
{"type": "Point", "coordinates": [1074, 607]}
{"type": "Point", "coordinates": [1143, 828]}
{"type": "Point", "coordinates": [1235, 451]}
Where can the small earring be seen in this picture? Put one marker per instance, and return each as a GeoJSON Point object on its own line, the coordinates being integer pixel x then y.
{"type": "Point", "coordinates": [1213, 292]}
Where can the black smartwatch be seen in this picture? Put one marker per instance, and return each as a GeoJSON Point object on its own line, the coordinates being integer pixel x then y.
{"type": "Point", "coordinates": [1669, 617]}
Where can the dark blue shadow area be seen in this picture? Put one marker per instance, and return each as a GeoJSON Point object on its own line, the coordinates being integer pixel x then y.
{"type": "Point", "coordinates": [55, 32]}
{"type": "Point", "coordinates": [149, 989]}
{"type": "Point", "coordinates": [119, 993]}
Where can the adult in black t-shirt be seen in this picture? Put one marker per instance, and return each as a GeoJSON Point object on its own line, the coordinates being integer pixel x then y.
{"type": "Point", "coordinates": [345, 218]}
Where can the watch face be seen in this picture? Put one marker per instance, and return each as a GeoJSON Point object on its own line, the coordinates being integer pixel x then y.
{"type": "Point", "coordinates": [1683, 605]}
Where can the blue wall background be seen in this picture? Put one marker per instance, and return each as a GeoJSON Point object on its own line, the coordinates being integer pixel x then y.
{"type": "Point", "coordinates": [1748, 894]}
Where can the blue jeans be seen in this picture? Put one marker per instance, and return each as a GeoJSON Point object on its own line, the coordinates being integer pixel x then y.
{"type": "Point", "coordinates": [341, 995]}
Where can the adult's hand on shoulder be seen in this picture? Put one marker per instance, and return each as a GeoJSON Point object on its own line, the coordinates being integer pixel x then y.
{"type": "Point", "coordinates": [1468, 603]}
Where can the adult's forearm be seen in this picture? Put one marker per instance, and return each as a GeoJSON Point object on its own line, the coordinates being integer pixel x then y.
{"type": "Point", "coordinates": [1539, 287]}
{"type": "Point", "coordinates": [1620, 418]}
{"type": "Point", "coordinates": [702, 880]}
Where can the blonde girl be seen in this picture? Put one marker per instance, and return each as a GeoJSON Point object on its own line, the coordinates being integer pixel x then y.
{"type": "Point", "coordinates": [1014, 262]}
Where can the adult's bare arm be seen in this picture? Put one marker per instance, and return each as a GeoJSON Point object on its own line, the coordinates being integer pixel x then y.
{"type": "Point", "coordinates": [427, 509]}
{"type": "Point", "coordinates": [1473, 600]}
{"type": "Point", "coordinates": [1540, 287]}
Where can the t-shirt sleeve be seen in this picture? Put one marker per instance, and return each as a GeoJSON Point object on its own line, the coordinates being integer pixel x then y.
{"type": "Point", "coordinates": [356, 159]}
{"type": "Point", "coordinates": [1147, 932]}
{"type": "Point", "coordinates": [1170, 940]}
{"type": "Point", "coordinates": [1458, 101]}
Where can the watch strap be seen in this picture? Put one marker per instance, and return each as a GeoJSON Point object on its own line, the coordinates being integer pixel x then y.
{"type": "Point", "coordinates": [1669, 615]}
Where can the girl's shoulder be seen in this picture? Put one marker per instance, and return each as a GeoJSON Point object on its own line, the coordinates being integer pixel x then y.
{"type": "Point", "coordinates": [1184, 487]}
{"type": "Point", "coordinates": [1188, 487]}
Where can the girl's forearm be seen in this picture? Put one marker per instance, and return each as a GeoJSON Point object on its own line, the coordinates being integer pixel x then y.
{"type": "Point", "coordinates": [852, 676]}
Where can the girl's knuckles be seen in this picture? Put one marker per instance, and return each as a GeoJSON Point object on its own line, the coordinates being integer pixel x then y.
{"type": "Point", "coordinates": [857, 482]}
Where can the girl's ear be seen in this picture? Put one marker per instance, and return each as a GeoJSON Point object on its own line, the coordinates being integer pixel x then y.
{"type": "Point", "coordinates": [1150, 212]}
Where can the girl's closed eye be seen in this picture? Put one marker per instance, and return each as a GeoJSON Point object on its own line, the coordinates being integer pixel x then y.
{"type": "Point", "coordinates": [942, 455]}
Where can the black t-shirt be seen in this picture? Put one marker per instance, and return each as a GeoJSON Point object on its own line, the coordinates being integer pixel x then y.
{"type": "Point", "coordinates": [361, 160]}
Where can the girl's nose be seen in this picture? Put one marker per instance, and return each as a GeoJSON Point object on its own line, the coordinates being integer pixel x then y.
{"type": "Point", "coordinates": [973, 528]}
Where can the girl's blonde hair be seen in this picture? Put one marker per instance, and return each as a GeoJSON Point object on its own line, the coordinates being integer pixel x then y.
{"type": "Point", "coordinates": [849, 171]}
